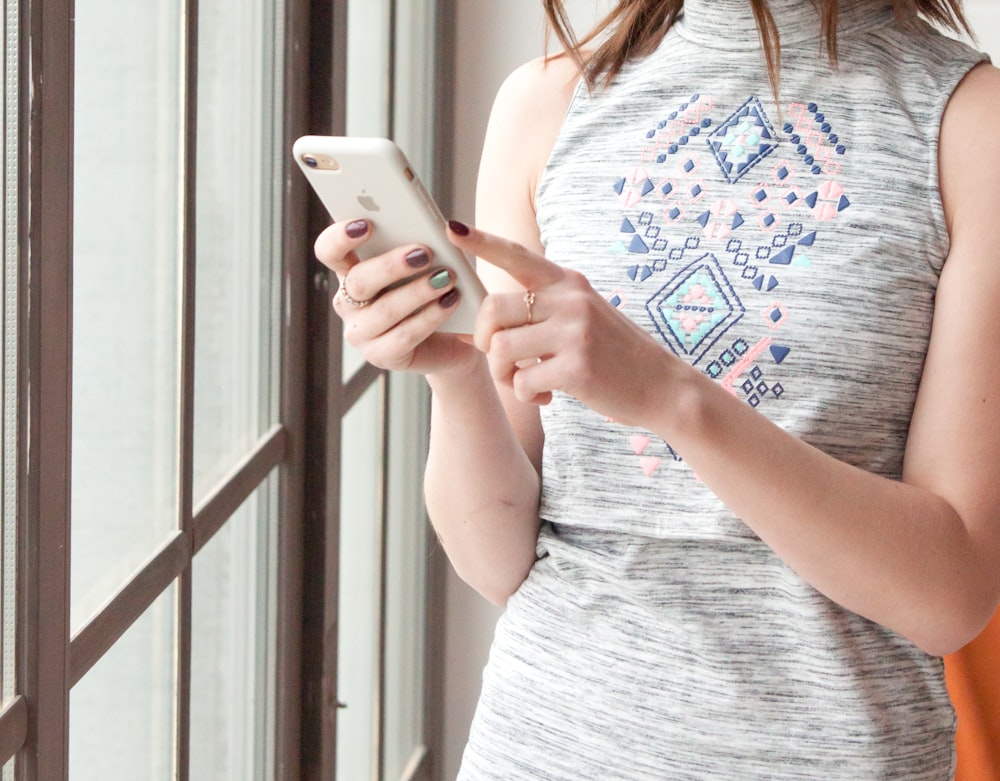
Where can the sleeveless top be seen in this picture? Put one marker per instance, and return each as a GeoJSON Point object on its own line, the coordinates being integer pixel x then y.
{"type": "Point", "coordinates": [790, 250]}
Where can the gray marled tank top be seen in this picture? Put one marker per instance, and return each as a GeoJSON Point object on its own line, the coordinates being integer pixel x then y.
{"type": "Point", "coordinates": [790, 251]}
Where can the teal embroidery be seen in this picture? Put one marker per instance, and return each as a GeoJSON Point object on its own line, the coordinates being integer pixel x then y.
{"type": "Point", "coordinates": [696, 308]}
{"type": "Point", "coordinates": [743, 141]}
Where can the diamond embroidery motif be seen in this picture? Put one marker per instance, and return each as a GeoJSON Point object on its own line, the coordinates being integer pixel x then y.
{"type": "Point", "coordinates": [743, 140]}
{"type": "Point", "coordinates": [695, 308]}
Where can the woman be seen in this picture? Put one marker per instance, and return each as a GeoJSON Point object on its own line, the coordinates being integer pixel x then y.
{"type": "Point", "coordinates": [727, 441]}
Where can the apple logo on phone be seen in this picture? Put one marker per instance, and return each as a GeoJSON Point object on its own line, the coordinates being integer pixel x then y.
{"type": "Point", "coordinates": [368, 202]}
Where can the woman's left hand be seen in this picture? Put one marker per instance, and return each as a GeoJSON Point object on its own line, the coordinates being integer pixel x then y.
{"type": "Point", "coordinates": [561, 334]}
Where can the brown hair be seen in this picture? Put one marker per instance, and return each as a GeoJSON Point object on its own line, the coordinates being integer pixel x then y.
{"type": "Point", "coordinates": [634, 28]}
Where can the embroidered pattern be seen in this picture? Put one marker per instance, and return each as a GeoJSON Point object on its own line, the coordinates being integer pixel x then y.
{"type": "Point", "coordinates": [675, 200]}
{"type": "Point", "coordinates": [743, 140]}
{"type": "Point", "coordinates": [675, 132]}
{"type": "Point", "coordinates": [814, 139]}
{"type": "Point", "coordinates": [695, 308]}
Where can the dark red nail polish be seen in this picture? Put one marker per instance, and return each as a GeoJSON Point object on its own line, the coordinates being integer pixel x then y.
{"type": "Point", "coordinates": [449, 299]}
{"type": "Point", "coordinates": [357, 229]}
{"type": "Point", "coordinates": [459, 228]}
{"type": "Point", "coordinates": [418, 258]}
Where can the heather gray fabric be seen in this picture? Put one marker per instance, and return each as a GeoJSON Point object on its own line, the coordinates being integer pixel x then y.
{"type": "Point", "coordinates": [791, 251]}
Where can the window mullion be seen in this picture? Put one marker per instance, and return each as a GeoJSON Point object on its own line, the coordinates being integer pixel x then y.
{"type": "Point", "coordinates": [13, 727]}
{"type": "Point", "coordinates": [187, 303]}
{"type": "Point", "coordinates": [288, 650]}
{"type": "Point", "coordinates": [46, 379]}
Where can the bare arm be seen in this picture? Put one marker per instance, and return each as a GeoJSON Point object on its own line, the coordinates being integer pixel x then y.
{"type": "Point", "coordinates": [483, 474]}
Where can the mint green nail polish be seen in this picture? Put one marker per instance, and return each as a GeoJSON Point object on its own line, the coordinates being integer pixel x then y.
{"type": "Point", "coordinates": [440, 279]}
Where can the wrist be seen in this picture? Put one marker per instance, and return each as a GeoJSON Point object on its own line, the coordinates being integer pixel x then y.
{"type": "Point", "coordinates": [460, 376]}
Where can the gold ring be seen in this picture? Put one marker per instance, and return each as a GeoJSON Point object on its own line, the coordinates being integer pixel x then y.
{"type": "Point", "coordinates": [348, 298]}
{"type": "Point", "coordinates": [529, 302]}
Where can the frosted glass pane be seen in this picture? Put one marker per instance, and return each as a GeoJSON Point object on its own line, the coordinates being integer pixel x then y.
{"type": "Point", "coordinates": [232, 685]}
{"type": "Point", "coordinates": [125, 291]}
{"type": "Point", "coordinates": [122, 712]}
{"type": "Point", "coordinates": [238, 233]}
{"type": "Point", "coordinates": [406, 563]}
{"type": "Point", "coordinates": [9, 34]}
{"type": "Point", "coordinates": [358, 610]}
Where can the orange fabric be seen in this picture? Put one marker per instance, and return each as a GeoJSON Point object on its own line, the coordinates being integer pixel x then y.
{"type": "Point", "coordinates": [974, 683]}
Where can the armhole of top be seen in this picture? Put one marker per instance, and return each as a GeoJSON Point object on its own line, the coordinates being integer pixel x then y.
{"type": "Point", "coordinates": [545, 176]}
{"type": "Point", "coordinates": [951, 82]}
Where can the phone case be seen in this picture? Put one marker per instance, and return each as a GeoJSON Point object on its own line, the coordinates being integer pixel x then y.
{"type": "Point", "coordinates": [371, 178]}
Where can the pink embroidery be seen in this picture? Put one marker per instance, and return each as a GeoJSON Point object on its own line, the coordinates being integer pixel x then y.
{"type": "Point", "coordinates": [637, 185]}
{"type": "Point", "coordinates": [639, 444]}
{"type": "Point", "coordinates": [723, 219]}
{"type": "Point", "coordinates": [776, 316]}
{"type": "Point", "coordinates": [650, 464]}
{"type": "Point", "coordinates": [745, 363]}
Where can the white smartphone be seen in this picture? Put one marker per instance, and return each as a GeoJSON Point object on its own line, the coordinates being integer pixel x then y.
{"type": "Point", "coordinates": [371, 178]}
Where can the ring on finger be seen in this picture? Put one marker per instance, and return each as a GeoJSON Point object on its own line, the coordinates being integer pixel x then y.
{"type": "Point", "coordinates": [529, 303]}
{"type": "Point", "coordinates": [348, 298]}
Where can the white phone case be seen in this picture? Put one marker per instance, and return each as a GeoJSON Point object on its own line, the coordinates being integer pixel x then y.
{"type": "Point", "coordinates": [371, 178]}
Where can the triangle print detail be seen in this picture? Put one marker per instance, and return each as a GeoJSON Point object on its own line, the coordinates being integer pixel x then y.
{"type": "Point", "coordinates": [779, 353]}
{"type": "Point", "coordinates": [650, 464]}
{"type": "Point", "coordinates": [743, 140]}
{"type": "Point", "coordinates": [639, 444]}
{"type": "Point", "coordinates": [638, 246]}
{"type": "Point", "coordinates": [784, 257]}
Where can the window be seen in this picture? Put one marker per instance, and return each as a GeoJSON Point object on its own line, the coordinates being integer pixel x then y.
{"type": "Point", "coordinates": [384, 722]}
{"type": "Point", "coordinates": [211, 509]}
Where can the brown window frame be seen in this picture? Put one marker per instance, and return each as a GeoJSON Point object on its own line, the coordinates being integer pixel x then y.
{"type": "Point", "coordinates": [304, 448]}
{"type": "Point", "coordinates": [35, 725]}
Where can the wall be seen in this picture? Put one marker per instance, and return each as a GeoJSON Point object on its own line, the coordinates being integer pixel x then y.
{"type": "Point", "coordinates": [493, 39]}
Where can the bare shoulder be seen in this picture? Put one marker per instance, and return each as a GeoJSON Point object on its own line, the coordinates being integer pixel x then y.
{"type": "Point", "coordinates": [954, 443]}
{"type": "Point", "coordinates": [543, 85]}
{"type": "Point", "coordinates": [969, 185]}
{"type": "Point", "coordinates": [527, 115]}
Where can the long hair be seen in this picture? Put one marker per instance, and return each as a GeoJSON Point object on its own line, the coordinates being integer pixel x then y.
{"type": "Point", "coordinates": [634, 28]}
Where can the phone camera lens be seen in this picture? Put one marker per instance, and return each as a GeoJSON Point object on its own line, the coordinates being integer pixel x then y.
{"type": "Point", "coordinates": [310, 161]}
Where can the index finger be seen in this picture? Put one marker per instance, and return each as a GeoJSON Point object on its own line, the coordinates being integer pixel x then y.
{"type": "Point", "coordinates": [335, 246]}
{"type": "Point", "coordinates": [528, 268]}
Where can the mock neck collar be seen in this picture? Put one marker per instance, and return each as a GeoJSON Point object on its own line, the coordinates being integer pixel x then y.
{"type": "Point", "coordinates": [730, 24]}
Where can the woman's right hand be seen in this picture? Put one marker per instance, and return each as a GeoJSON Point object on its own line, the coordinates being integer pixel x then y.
{"type": "Point", "coordinates": [392, 322]}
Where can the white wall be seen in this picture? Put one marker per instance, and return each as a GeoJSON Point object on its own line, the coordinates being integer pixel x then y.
{"type": "Point", "coordinates": [493, 39]}
{"type": "Point", "coordinates": [984, 16]}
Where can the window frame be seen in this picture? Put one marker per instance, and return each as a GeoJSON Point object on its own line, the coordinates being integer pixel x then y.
{"type": "Point", "coordinates": [50, 661]}
{"type": "Point", "coordinates": [34, 724]}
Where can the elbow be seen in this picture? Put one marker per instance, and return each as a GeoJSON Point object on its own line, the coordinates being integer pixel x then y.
{"type": "Point", "coordinates": [954, 630]}
{"type": "Point", "coordinates": [496, 588]}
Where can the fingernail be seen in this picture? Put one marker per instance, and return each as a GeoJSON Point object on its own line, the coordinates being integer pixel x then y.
{"type": "Point", "coordinates": [357, 229]}
{"type": "Point", "coordinates": [440, 279]}
{"type": "Point", "coordinates": [449, 299]}
{"type": "Point", "coordinates": [418, 258]}
{"type": "Point", "coordinates": [459, 228]}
